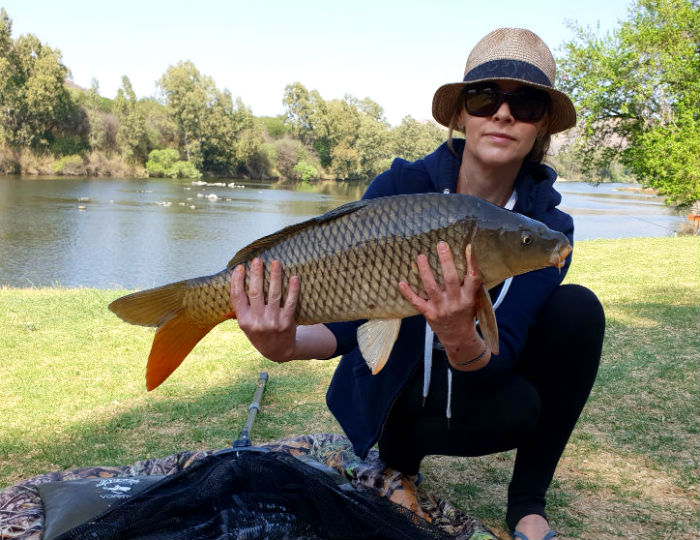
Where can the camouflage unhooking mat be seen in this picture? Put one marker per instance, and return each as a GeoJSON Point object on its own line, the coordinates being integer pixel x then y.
{"type": "Point", "coordinates": [22, 511]}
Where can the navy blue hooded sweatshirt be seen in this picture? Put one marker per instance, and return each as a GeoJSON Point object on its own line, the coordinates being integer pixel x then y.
{"type": "Point", "coordinates": [361, 401]}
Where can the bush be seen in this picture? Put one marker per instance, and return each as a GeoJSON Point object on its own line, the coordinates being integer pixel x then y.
{"type": "Point", "coordinates": [167, 162]}
{"type": "Point", "coordinates": [70, 166]}
{"type": "Point", "coordinates": [68, 145]}
{"type": "Point", "coordinates": [305, 171]}
{"type": "Point", "coordinates": [183, 169]}
{"type": "Point", "coordinates": [289, 152]}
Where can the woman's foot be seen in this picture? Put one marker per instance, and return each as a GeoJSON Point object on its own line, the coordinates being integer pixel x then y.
{"type": "Point", "coordinates": [533, 527]}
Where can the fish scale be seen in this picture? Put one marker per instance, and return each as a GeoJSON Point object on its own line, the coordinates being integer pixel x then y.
{"type": "Point", "coordinates": [349, 262]}
{"type": "Point", "coordinates": [314, 255]}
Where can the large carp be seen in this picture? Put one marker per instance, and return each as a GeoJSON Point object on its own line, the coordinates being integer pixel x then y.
{"type": "Point", "coordinates": [349, 262]}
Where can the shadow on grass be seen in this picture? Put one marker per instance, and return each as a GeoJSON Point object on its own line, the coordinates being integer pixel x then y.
{"type": "Point", "coordinates": [647, 394]}
{"type": "Point", "coordinates": [165, 424]}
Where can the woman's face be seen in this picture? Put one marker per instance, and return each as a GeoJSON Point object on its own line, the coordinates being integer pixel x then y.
{"type": "Point", "coordinates": [500, 139]}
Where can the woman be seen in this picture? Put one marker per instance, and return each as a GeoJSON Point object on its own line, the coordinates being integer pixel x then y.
{"type": "Point", "coordinates": [530, 395]}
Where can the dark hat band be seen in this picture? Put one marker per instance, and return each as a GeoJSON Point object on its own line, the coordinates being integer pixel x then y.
{"type": "Point", "coordinates": [508, 69]}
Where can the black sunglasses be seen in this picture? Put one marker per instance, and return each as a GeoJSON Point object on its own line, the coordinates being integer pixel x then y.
{"type": "Point", "coordinates": [525, 104]}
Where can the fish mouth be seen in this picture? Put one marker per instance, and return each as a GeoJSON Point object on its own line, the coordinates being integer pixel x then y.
{"type": "Point", "coordinates": [561, 252]}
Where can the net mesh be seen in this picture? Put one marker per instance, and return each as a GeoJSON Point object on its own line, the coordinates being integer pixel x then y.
{"type": "Point", "coordinates": [255, 495]}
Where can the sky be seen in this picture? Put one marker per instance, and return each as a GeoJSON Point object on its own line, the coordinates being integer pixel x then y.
{"type": "Point", "coordinates": [397, 53]}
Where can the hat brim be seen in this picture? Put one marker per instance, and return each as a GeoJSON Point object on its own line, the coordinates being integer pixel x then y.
{"type": "Point", "coordinates": [562, 114]}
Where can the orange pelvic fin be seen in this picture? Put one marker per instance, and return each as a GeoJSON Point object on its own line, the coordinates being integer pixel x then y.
{"type": "Point", "coordinates": [172, 343]}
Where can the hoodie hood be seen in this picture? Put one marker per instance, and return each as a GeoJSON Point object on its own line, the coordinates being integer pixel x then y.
{"type": "Point", "coordinates": [533, 185]}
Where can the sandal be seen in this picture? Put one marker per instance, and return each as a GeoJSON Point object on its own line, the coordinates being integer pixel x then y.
{"type": "Point", "coordinates": [520, 536]}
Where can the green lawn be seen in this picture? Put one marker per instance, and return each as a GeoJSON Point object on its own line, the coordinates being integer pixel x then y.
{"type": "Point", "coordinates": [72, 394]}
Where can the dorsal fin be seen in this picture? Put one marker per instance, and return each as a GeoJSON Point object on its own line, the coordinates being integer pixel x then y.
{"type": "Point", "coordinates": [256, 248]}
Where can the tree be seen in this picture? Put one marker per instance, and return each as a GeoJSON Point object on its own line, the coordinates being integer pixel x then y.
{"type": "Point", "coordinates": [300, 107]}
{"type": "Point", "coordinates": [637, 91]}
{"type": "Point", "coordinates": [275, 126]}
{"type": "Point", "coordinates": [308, 116]}
{"type": "Point", "coordinates": [186, 93]}
{"type": "Point", "coordinates": [349, 136]}
{"type": "Point", "coordinates": [209, 123]}
{"type": "Point", "coordinates": [412, 139]}
{"type": "Point", "coordinates": [161, 129]}
{"type": "Point", "coordinates": [373, 139]}
{"type": "Point", "coordinates": [34, 103]}
{"type": "Point", "coordinates": [132, 136]}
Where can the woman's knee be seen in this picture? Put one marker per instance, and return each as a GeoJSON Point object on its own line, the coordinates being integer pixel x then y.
{"type": "Point", "coordinates": [568, 334]}
{"type": "Point", "coordinates": [575, 307]}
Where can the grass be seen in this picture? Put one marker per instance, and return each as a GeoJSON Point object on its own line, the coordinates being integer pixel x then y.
{"type": "Point", "coordinates": [72, 394]}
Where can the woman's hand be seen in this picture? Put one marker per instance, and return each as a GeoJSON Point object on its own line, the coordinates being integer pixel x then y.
{"type": "Point", "coordinates": [270, 325]}
{"type": "Point", "coordinates": [451, 311]}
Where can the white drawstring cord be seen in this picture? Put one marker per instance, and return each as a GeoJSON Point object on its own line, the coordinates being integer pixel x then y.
{"type": "Point", "coordinates": [448, 409]}
{"type": "Point", "coordinates": [427, 360]}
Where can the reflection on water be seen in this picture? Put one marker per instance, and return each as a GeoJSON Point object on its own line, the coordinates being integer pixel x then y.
{"type": "Point", "coordinates": [143, 232]}
{"type": "Point", "coordinates": [616, 211]}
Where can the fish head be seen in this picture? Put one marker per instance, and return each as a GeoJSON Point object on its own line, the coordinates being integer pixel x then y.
{"type": "Point", "coordinates": [514, 244]}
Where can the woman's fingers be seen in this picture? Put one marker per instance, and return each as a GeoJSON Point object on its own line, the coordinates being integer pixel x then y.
{"type": "Point", "coordinates": [290, 303]}
{"type": "Point", "coordinates": [256, 298]}
{"type": "Point", "coordinates": [430, 285]}
{"type": "Point", "coordinates": [455, 296]}
{"type": "Point", "coordinates": [269, 325]}
{"type": "Point", "coordinates": [254, 301]}
{"type": "Point", "coordinates": [410, 295]}
{"type": "Point", "coordinates": [239, 299]}
{"type": "Point", "coordinates": [449, 270]}
{"type": "Point", "coordinates": [274, 293]}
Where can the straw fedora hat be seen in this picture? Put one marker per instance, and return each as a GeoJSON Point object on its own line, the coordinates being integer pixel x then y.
{"type": "Point", "coordinates": [509, 54]}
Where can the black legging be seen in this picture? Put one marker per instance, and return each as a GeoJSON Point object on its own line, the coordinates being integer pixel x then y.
{"type": "Point", "coordinates": [533, 409]}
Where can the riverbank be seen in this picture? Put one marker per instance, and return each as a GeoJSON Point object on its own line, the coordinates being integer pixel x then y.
{"type": "Point", "coordinates": [94, 164]}
{"type": "Point", "coordinates": [72, 387]}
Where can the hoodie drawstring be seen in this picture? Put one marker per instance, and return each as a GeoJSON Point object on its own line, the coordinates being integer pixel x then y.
{"type": "Point", "coordinates": [428, 355]}
{"type": "Point", "coordinates": [427, 360]}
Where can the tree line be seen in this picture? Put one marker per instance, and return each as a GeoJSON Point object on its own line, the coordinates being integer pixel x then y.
{"type": "Point", "coordinates": [636, 89]}
{"type": "Point", "coordinates": [192, 128]}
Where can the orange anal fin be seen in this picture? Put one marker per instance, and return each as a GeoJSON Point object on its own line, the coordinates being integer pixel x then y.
{"type": "Point", "coordinates": [172, 343]}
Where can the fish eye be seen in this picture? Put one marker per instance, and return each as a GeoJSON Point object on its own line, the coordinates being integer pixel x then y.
{"type": "Point", "coordinates": [526, 239]}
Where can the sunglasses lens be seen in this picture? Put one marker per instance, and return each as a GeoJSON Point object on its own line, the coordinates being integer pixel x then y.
{"type": "Point", "coordinates": [481, 101]}
{"type": "Point", "coordinates": [526, 104]}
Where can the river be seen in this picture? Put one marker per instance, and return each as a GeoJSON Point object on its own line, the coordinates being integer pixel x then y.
{"type": "Point", "coordinates": [137, 233]}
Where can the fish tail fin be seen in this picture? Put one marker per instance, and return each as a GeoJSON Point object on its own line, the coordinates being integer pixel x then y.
{"type": "Point", "coordinates": [172, 343]}
{"type": "Point", "coordinates": [152, 307]}
{"type": "Point", "coordinates": [178, 332]}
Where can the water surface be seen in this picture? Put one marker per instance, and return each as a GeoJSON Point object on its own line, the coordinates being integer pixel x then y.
{"type": "Point", "coordinates": [137, 233]}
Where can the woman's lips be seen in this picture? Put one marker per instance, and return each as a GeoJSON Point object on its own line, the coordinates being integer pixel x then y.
{"type": "Point", "coordinates": [497, 136]}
